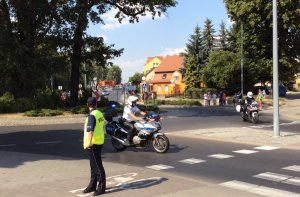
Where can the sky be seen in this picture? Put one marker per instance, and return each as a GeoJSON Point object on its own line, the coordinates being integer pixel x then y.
{"type": "Point", "coordinates": [166, 35]}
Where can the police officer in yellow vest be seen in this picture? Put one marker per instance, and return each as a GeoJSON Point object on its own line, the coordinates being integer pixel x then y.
{"type": "Point", "coordinates": [93, 141]}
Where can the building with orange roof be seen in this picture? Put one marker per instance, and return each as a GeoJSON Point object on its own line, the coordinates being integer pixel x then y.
{"type": "Point", "coordinates": [167, 80]}
{"type": "Point", "coordinates": [150, 66]}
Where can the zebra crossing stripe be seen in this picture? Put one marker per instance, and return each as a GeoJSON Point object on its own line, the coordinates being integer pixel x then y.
{"type": "Point", "coordinates": [220, 156]}
{"type": "Point", "coordinates": [192, 161]}
{"type": "Point", "coordinates": [256, 189]}
{"type": "Point", "coordinates": [159, 167]}
{"type": "Point", "coordinates": [273, 176]}
{"type": "Point", "coordinates": [293, 168]}
{"type": "Point", "coordinates": [266, 148]}
{"type": "Point", "coordinates": [279, 178]}
{"type": "Point", "coordinates": [244, 151]}
{"type": "Point", "coordinates": [293, 181]}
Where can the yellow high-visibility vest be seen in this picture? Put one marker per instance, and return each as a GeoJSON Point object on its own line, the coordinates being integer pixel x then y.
{"type": "Point", "coordinates": [98, 135]}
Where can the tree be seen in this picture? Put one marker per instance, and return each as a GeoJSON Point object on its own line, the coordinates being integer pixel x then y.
{"type": "Point", "coordinates": [193, 60]}
{"type": "Point", "coordinates": [192, 75]}
{"type": "Point", "coordinates": [115, 73]}
{"type": "Point", "coordinates": [208, 39]}
{"type": "Point", "coordinates": [28, 29]}
{"type": "Point", "coordinates": [136, 79]}
{"type": "Point", "coordinates": [256, 18]}
{"type": "Point", "coordinates": [24, 54]}
{"type": "Point", "coordinates": [129, 8]}
{"type": "Point", "coordinates": [221, 70]}
{"type": "Point", "coordinates": [223, 37]}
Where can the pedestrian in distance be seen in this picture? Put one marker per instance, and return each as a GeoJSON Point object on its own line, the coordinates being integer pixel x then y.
{"type": "Point", "coordinates": [221, 98]}
{"type": "Point", "coordinates": [259, 99]}
{"type": "Point", "coordinates": [93, 141]}
{"type": "Point", "coordinates": [224, 98]}
{"type": "Point", "coordinates": [214, 98]}
{"type": "Point", "coordinates": [264, 93]}
{"type": "Point", "coordinates": [208, 98]}
{"type": "Point", "coordinates": [205, 96]}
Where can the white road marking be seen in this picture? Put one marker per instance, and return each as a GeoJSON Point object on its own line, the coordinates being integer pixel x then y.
{"type": "Point", "coordinates": [83, 195]}
{"type": "Point", "coordinates": [76, 190]}
{"type": "Point", "coordinates": [159, 167]}
{"type": "Point", "coordinates": [244, 151]}
{"type": "Point", "coordinates": [220, 156]}
{"type": "Point", "coordinates": [293, 181]}
{"type": "Point", "coordinates": [272, 176]}
{"type": "Point", "coordinates": [123, 182]}
{"type": "Point", "coordinates": [7, 145]}
{"type": "Point", "coordinates": [239, 185]}
{"type": "Point", "coordinates": [293, 168]}
{"type": "Point", "coordinates": [50, 142]}
{"type": "Point", "coordinates": [192, 161]}
{"type": "Point", "coordinates": [272, 192]}
{"type": "Point", "coordinates": [266, 148]}
{"type": "Point", "coordinates": [256, 189]}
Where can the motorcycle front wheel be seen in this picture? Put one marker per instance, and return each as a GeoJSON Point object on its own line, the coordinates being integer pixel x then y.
{"type": "Point", "coordinates": [117, 145]}
{"type": "Point", "coordinates": [161, 143]}
{"type": "Point", "coordinates": [254, 117]}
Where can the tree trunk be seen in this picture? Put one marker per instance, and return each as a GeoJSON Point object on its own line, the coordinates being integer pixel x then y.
{"type": "Point", "coordinates": [77, 50]}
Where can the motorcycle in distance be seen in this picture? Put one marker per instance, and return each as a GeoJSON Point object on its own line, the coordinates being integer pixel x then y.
{"type": "Point", "coordinates": [146, 132]}
{"type": "Point", "coordinates": [251, 113]}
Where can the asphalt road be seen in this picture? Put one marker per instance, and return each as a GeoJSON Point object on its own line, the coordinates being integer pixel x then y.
{"type": "Point", "coordinates": [212, 162]}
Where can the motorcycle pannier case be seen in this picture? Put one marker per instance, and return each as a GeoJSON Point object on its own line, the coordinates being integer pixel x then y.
{"type": "Point", "coordinates": [110, 129]}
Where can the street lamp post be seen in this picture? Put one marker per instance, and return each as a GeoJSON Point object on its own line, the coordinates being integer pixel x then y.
{"type": "Point", "coordinates": [275, 72]}
{"type": "Point", "coordinates": [242, 60]}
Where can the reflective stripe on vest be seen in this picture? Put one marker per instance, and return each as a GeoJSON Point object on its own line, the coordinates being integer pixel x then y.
{"type": "Point", "coordinates": [98, 135]}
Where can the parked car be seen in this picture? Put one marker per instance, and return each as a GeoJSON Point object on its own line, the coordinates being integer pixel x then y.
{"type": "Point", "coordinates": [105, 92]}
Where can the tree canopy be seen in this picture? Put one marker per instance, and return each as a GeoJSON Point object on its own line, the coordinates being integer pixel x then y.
{"type": "Point", "coordinates": [256, 18]}
{"type": "Point", "coordinates": [42, 39]}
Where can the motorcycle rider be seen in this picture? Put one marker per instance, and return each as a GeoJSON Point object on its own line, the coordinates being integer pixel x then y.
{"type": "Point", "coordinates": [129, 116]}
{"type": "Point", "coordinates": [249, 100]}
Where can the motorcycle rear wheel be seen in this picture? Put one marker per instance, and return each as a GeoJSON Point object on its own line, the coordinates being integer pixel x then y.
{"type": "Point", "coordinates": [117, 145]}
{"type": "Point", "coordinates": [161, 144]}
{"type": "Point", "coordinates": [243, 117]}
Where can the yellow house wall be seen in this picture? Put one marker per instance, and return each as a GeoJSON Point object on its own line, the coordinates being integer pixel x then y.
{"type": "Point", "coordinates": [149, 66]}
{"type": "Point", "coordinates": [171, 88]}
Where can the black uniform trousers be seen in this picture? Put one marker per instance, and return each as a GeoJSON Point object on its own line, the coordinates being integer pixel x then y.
{"type": "Point", "coordinates": [97, 170]}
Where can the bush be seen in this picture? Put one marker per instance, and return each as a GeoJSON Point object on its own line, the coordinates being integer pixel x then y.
{"type": "Point", "coordinates": [48, 99]}
{"type": "Point", "coordinates": [81, 109]}
{"type": "Point", "coordinates": [43, 112]}
{"type": "Point", "coordinates": [24, 104]}
{"type": "Point", "coordinates": [193, 93]}
{"type": "Point", "coordinates": [7, 102]}
{"type": "Point", "coordinates": [179, 102]}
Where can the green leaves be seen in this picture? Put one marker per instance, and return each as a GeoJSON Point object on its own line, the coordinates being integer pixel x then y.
{"type": "Point", "coordinates": [256, 16]}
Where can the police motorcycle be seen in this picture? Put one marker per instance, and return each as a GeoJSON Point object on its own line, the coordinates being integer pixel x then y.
{"type": "Point", "coordinates": [146, 132]}
{"type": "Point", "coordinates": [251, 112]}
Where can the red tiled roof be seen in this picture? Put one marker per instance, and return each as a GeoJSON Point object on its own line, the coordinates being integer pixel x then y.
{"type": "Point", "coordinates": [170, 64]}
{"type": "Point", "coordinates": [158, 78]}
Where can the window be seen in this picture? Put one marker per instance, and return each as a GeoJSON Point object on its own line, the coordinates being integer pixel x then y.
{"type": "Point", "coordinates": [164, 76]}
{"type": "Point", "coordinates": [166, 88]}
{"type": "Point", "coordinates": [158, 88]}
{"type": "Point", "coordinates": [176, 79]}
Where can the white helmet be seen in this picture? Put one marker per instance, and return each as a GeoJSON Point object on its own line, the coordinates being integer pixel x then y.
{"type": "Point", "coordinates": [132, 99]}
{"type": "Point", "coordinates": [249, 94]}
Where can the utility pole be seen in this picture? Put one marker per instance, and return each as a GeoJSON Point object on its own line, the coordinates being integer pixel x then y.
{"type": "Point", "coordinates": [242, 59]}
{"type": "Point", "coordinates": [275, 72]}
